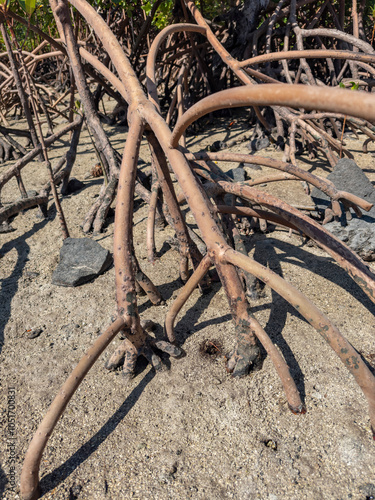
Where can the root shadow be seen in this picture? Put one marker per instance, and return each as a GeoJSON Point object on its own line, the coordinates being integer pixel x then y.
{"type": "Point", "coordinates": [3, 481]}
{"type": "Point", "coordinates": [326, 267]}
{"type": "Point", "coordinates": [266, 255]}
{"type": "Point", "coordinates": [53, 479]}
{"type": "Point", "coordinates": [189, 321]}
{"type": "Point", "coordinates": [9, 285]}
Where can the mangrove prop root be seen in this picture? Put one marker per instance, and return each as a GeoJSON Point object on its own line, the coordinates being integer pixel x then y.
{"type": "Point", "coordinates": [355, 267]}
{"type": "Point", "coordinates": [144, 117]}
{"type": "Point", "coordinates": [348, 355]}
{"type": "Point", "coordinates": [30, 469]}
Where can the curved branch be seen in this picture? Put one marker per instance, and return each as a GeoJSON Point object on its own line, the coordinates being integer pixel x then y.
{"type": "Point", "coordinates": [324, 185]}
{"type": "Point", "coordinates": [255, 212]}
{"type": "Point", "coordinates": [309, 54]}
{"type": "Point", "coordinates": [30, 469]}
{"type": "Point", "coordinates": [323, 99]}
{"type": "Point", "coordinates": [342, 254]}
{"type": "Point", "coordinates": [340, 35]}
{"type": "Point", "coordinates": [151, 58]}
{"type": "Point", "coordinates": [22, 162]}
{"type": "Point", "coordinates": [224, 54]}
{"type": "Point", "coordinates": [90, 58]}
{"type": "Point", "coordinates": [134, 92]}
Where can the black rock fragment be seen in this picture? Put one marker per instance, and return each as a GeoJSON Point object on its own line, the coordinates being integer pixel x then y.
{"type": "Point", "coordinates": [81, 260]}
{"type": "Point", "coordinates": [75, 185]}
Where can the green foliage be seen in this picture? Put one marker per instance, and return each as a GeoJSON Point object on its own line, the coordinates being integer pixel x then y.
{"type": "Point", "coordinates": [129, 6]}
{"type": "Point", "coordinates": [38, 12]}
{"type": "Point", "coordinates": [163, 14]}
{"type": "Point", "coordinates": [372, 11]}
{"type": "Point", "coordinates": [354, 86]}
{"type": "Point", "coordinates": [28, 6]}
{"type": "Point", "coordinates": [78, 107]}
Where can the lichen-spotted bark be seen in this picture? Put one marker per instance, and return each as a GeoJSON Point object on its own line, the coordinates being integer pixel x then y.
{"type": "Point", "coordinates": [137, 342]}
{"type": "Point", "coordinates": [123, 245]}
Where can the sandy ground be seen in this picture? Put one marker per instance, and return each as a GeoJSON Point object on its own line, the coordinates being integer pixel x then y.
{"type": "Point", "coordinates": [190, 432]}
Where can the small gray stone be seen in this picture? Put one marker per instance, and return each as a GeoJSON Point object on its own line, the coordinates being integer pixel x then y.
{"type": "Point", "coordinates": [6, 228]}
{"type": "Point", "coordinates": [237, 174]}
{"type": "Point", "coordinates": [258, 144]}
{"type": "Point", "coordinates": [81, 260]}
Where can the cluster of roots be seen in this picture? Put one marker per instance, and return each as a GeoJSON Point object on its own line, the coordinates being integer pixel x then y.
{"type": "Point", "coordinates": [189, 61]}
{"type": "Point", "coordinates": [301, 104]}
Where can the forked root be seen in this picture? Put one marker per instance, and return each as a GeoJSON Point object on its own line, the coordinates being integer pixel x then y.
{"type": "Point", "coordinates": [347, 259]}
{"type": "Point", "coordinates": [291, 391]}
{"type": "Point", "coordinates": [143, 344]}
{"type": "Point", "coordinates": [346, 352]}
{"type": "Point", "coordinates": [164, 145]}
{"type": "Point", "coordinates": [30, 471]}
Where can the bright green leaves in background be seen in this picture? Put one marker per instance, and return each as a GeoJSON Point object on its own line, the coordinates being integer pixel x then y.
{"type": "Point", "coordinates": [163, 14]}
{"type": "Point", "coordinates": [161, 19]}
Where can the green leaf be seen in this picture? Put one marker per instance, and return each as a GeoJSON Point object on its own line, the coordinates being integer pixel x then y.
{"type": "Point", "coordinates": [341, 85]}
{"type": "Point", "coordinates": [28, 6]}
{"type": "Point", "coordinates": [354, 86]}
{"type": "Point", "coordinates": [147, 7]}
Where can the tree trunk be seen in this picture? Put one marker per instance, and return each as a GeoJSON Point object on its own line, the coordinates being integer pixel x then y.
{"type": "Point", "coordinates": [246, 18]}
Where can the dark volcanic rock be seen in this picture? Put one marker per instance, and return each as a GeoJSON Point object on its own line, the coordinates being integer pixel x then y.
{"type": "Point", "coordinates": [358, 234]}
{"type": "Point", "coordinates": [217, 146]}
{"type": "Point", "coordinates": [75, 185]}
{"type": "Point", "coordinates": [81, 260]}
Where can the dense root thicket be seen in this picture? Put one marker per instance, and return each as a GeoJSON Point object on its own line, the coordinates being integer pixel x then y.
{"type": "Point", "coordinates": [188, 73]}
{"type": "Point", "coordinates": [309, 42]}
